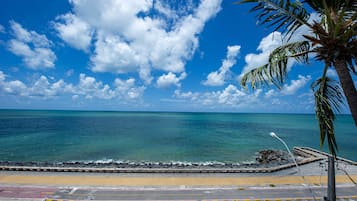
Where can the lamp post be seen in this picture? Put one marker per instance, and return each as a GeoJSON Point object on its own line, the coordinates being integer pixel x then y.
{"type": "Point", "coordinates": [331, 185]}
{"type": "Point", "coordinates": [287, 148]}
{"type": "Point", "coordinates": [292, 156]}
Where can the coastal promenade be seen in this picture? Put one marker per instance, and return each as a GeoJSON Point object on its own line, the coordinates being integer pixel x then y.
{"type": "Point", "coordinates": [285, 184]}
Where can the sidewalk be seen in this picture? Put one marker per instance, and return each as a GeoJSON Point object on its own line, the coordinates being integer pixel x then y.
{"type": "Point", "coordinates": [205, 180]}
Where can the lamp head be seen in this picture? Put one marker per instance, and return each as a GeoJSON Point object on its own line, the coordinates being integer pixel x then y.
{"type": "Point", "coordinates": [272, 134]}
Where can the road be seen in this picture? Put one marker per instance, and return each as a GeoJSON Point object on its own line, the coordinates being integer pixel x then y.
{"type": "Point", "coordinates": [250, 193]}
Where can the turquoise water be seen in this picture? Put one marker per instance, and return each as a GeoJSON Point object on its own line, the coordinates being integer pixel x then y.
{"type": "Point", "coordinates": [148, 136]}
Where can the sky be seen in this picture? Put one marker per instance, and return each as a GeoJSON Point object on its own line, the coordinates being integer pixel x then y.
{"type": "Point", "coordinates": [142, 55]}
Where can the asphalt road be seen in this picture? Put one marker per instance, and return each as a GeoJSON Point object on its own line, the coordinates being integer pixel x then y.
{"type": "Point", "coordinates": [210, 194]}
{"type": "Point", "coordinates": [249, 193]}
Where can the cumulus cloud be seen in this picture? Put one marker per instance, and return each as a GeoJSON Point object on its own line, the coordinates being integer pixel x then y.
{"type": "Point", "coordinates": [295, 85]}
{"type": "Point", "coordinates": [169, 79]}
{"type": "Point", "coordinates": [232, 97]}
{"type": "Point", "coordinates": [39, 88]}
{"type": "Point", "coordinates": [217, 78]}
{"type": "Point", "coordinates": [270, 93]}
{"type": "Point", "coordinates": [69, 73]}
{"type": "Point", "coordinates": [186, 95]}
{"type": "Point", "coordinates": [229, 97]}
{"type": "Point", "coordinates": [289, 89]}
{"type": "Point", "coordinates": [271, 42]}
{"type": "Point", "coordinates": [88, 88]}
{"type": "Point", "coordinates": [2, 76]}
{"type": "Point", "coordinates": [74, 31]}
{"type": "Point", "coordinates": [2, 29]}
{"type": "Point", "coordinates": [331, 73]}
{"type": "Point", "coordinates": [127, 89]}
{"type": "Point", "coordinates": [34, 48]}
{"type": "Point", "coordinates": [266, 46]}
{"type": "Point", "coordinates": [137, 36]}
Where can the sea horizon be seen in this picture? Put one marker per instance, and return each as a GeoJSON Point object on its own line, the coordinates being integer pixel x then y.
{"type": "Point", "coordinates": [163, 111]}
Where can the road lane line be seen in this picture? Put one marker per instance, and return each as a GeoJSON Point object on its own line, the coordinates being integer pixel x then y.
{"type": "Point", "coordinates": [73, 191]}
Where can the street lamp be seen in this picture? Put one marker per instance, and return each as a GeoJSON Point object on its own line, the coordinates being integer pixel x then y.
{"type": "Point", "coordinates": [287, 148]}
{"type": "Point", "coordinates": [292, 156]}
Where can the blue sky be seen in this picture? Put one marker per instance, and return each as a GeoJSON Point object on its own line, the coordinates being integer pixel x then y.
{"type": "Point", "coordinates": [141, 55]}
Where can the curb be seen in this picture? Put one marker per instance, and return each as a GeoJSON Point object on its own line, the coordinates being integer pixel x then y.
{"type": "Point", "coordinates": [261, 199]}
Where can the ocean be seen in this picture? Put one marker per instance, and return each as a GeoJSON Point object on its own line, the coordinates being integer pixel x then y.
{"type": "Point", "coordinates": [61, 136]}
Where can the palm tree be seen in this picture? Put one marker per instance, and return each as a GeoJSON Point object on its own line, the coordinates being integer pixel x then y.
{"type": "Point", "coordinates": [332, 40]}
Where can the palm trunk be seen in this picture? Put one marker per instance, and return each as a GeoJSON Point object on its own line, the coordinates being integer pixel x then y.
{"type": "Point", "coordinates": [348, 86]}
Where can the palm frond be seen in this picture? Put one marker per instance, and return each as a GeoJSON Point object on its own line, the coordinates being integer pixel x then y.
{"type": "Point", "coordinates": [328, 98]}
{"type": "Point", "coordinates": [298, 50]}
{"type": "Point", "coordinates": [275, 71]}
{"type": "Point", "coordinates": [280, 14]}
{"type": "Point", "coordinates": [321, 6]}
{"type": "Point", "coordinates": [318, 5]}
{"type": "Point", "coordinates": [256, 77]}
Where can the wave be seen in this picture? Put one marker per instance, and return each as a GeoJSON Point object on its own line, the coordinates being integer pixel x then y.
{"type": "Point", "coordinates": [110, 163]}
{"type": "Point", "coordinates": [265, 158]}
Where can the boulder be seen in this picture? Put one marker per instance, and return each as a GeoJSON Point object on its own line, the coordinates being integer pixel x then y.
{"type": "Point", "coordinates": [271, 158]}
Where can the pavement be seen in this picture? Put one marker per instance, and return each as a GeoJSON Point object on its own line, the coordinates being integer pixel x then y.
{"type": "Point", "coordinates": [209, 194]}
{"type": "Point", "coordinates": [169, 181]}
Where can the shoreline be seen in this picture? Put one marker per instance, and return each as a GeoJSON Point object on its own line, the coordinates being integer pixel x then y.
{"type": "Point", "coordinates": [305, 156]}
{"type": "Point", "coordinates": [313, 174]}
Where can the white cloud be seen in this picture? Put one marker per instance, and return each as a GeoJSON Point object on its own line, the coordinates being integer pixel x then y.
{"type": "Point", "coordinates": [170, 39]}
{"type": "Point", "coordinates": [217, 78]}
{"type": "Point", "coordinates": [88, 87]}
{"type": "Point", "coordinates": [14, 87]}
{"type": "Point", "coordinates": [75, 97]}
{"type": "Point", "coordinates": [270, 93]}
{"type": "Point", "coordinates": [69, 73]}
{"type": "Point", "coordinates": [32, 47]}
{"type": "Point", "coordinates": [266, 46]}
{"type": "Point", "coordinates": [289, 89]}
{"type": "Point", "coordinates": [272, 41]}
{"type": "Point", "coordinates": [74, 31]}
{"type": "Point", "coordinates": [2, 29]}
{"type": "Point", "coordinates": [233, 98]}
{"type": "Point", "coordinates": [295, 85]}
{"type": "Point", "coordinates": [2, 76]}
{"type": "Point", "coordinates": [169, 79]}
{"type": "Point", "coordinates": [186, 95]}
{"type": "Point", "coordinates": [127, 89]}
{"type": "Point", "coordinates": [229, 97]}
{"type": "Point", "coordinates": [40, 88]}
{"type": "Point", "coordinates": [173, 12]}
{"type": "Point", "coordinates": [114, 55]}
{"type": "Point", "coordinates": [331, 73]}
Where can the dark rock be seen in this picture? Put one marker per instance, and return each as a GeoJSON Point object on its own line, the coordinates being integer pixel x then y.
{"type": "Point", "coordinates": [271, 158]}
